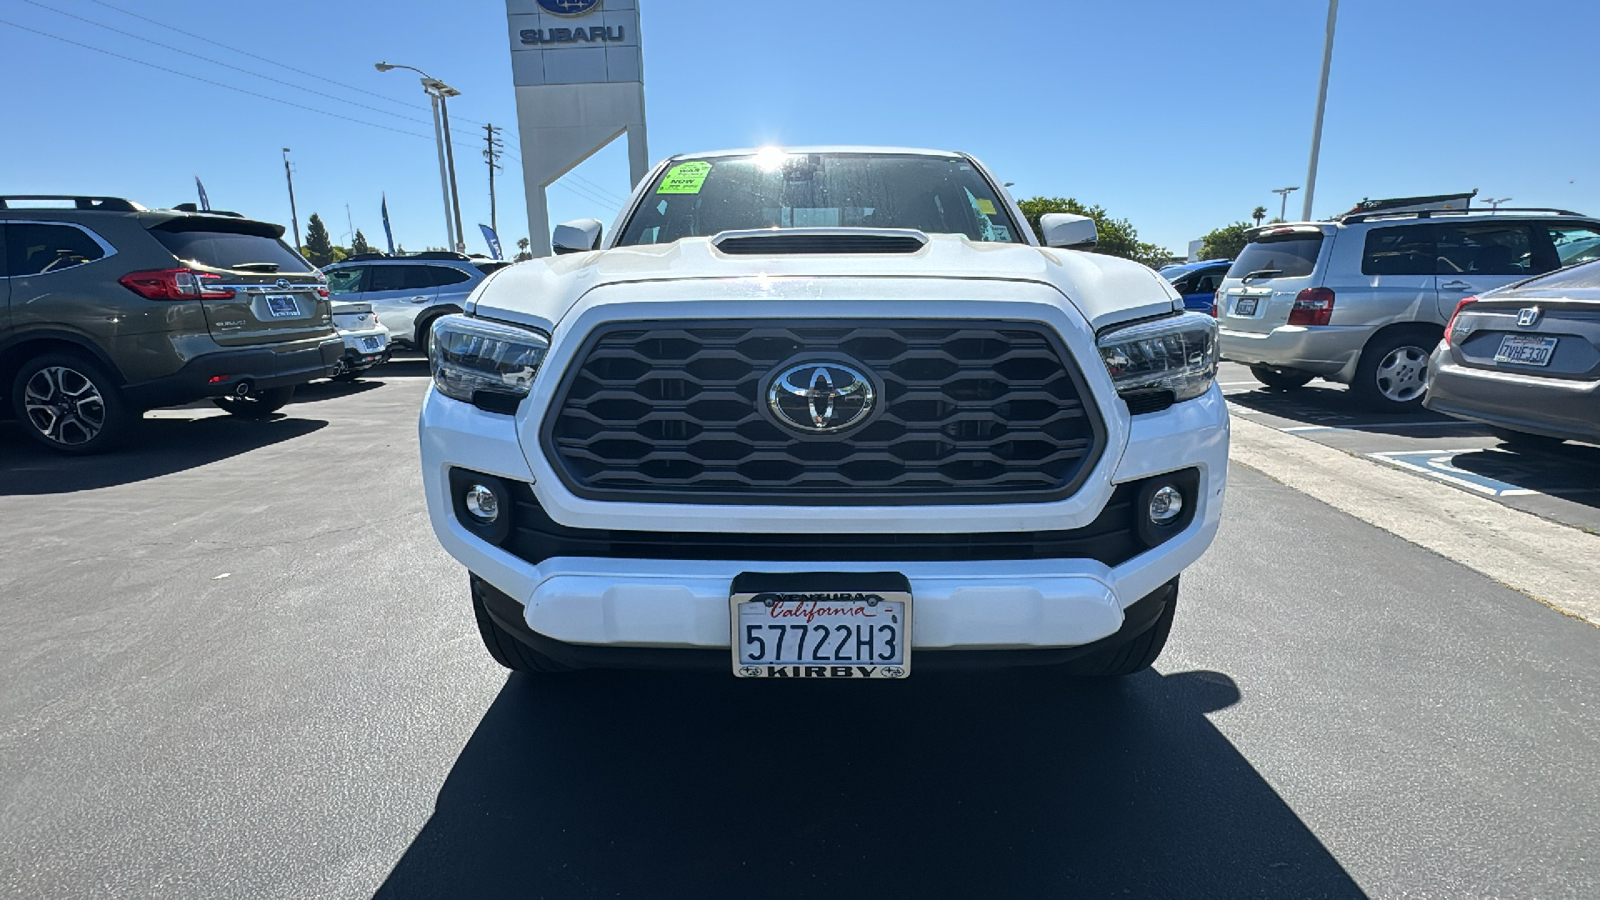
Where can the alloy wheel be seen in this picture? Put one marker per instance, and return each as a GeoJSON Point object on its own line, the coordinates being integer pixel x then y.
{"type": "Point", "coordinates": [64, 405]}
{"type": "Point", "coordinates": [1403, 374]}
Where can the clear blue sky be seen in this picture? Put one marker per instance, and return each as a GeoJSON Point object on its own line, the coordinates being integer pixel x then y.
{"type": "Point", "coordinates": [1180, 115]}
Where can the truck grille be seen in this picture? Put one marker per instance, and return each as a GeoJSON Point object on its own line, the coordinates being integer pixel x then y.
{"type": "Point", "coordinates": [965, 412]}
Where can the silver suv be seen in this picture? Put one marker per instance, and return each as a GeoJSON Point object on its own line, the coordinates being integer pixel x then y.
{"type": "Point", "coordinates": [1362, 300]}
{"type": "Point", "coordinates": [408, 292]}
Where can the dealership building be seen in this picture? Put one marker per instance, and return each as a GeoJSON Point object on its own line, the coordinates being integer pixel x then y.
{"type": "Point", "coordinates": [579, 75]}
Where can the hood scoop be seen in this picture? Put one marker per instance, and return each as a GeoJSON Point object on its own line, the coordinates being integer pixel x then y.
{"type": "Point", "coordinates": [810, 241]}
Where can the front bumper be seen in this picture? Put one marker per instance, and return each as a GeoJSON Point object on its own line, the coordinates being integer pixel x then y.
{"type": "Point", "coordinates": [1556, 407]}
{"type": "Point", "coordinates": [981, 605]}
{"type": "Point", "coordinates": [1329, 351]}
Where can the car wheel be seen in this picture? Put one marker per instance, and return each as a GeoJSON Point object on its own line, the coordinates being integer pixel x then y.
{"type": "Point", "coordinates": [70, 404]}
{"type": "Point", "coordinates": [1521, 440]}
{"type": "Point", "coordinates": [1393, 372]}
{"type": "Point", "coordinates": [1133, 656]}
{"type": "Point", "coordinates": [1281, 379]}
{"type": "Point", "coordinates": [258, 405]}
{"type": "Point", "coordinates": [503, 645]}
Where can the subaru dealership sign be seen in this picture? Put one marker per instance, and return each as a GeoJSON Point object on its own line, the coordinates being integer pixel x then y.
{"type": "Point", "coordinates": [579, 74]}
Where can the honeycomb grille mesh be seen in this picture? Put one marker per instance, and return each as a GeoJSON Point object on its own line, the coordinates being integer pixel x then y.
{"type": "Point", "coordinates": [968, 412]}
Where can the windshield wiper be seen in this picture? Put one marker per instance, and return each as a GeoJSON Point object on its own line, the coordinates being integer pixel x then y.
{"type": "Point", "coordinates": [1261, 273]}
{"type": "Point", "coordinates": [255, 267]}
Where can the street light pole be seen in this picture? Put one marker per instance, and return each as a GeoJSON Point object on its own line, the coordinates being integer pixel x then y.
{"type": "Point", "coordinates": [1322, 102]}
{"type": "Point", "coordinates": [1283, 208]}
{"type": "Point", "coordinates": [445, 91]}
{"type": "Point", "coordinates": [437, 91]}
{"type": "Point", "coordinates": [294, 216]}
{"type": "Point", "coordinates": [444, 174]}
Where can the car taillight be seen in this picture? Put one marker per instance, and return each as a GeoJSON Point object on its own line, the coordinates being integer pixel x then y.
{"type": "Point", "coordinates": [175, 284]}
{"type": "Point", "coordinates": [1450, 326]}
{"type": "Point", "coordinates": [1312, 306]}
{"type": "Point", "coordinates": [1216, 303]}
{"type": "Point", "coordinates": [322, 292]}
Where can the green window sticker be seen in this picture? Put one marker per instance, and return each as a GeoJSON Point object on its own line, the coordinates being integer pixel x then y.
{"type": "Point", "coordinates": [685, 178]}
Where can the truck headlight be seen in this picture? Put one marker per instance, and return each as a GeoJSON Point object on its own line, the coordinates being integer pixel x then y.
{"type": "Point", "coordinates": [488, 364]}
{"type": "Point", "coordinates": [1177, 354]}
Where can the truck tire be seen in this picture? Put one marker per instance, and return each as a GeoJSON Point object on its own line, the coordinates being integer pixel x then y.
{"type": "Point", "coordinates": [1393, 371]}
{"type": "Point", "coordinates": [1133, 656]}
{"type": "Point", "coordinates": [257, 405]}
{"type": "Point", "coordinates": [1281, 379]}
{"type": "Point", "coordinates": [69, 404]}
{"type": "Point", "coordinates": [502, 644]}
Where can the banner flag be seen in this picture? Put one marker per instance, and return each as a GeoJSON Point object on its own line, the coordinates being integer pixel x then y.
{"type": "Point", "coordinates": [388, 233]}
{"type": "Point", "coordinates": [493, 241]}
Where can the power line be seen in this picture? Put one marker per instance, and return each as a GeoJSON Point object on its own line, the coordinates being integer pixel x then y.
{"type": "Point", "coordinates": [219, 84]}
{"type": "Point", "coordinates": [231, 48]}
{"type": "Point", "coordinates": [226, 65]}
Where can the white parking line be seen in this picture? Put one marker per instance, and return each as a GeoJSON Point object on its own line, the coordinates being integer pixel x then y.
{"type": "Point", "coordinates": [1442, 470]}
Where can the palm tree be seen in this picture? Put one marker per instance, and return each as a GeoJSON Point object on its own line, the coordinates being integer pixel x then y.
{"type": "Point", "coordinates": [1259, 214]}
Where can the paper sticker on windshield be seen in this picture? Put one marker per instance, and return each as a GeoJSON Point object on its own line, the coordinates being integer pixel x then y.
{"type": "Point", "coordinates": [986, 206]}
{"type": "Point", "coordinates": [685, 178]}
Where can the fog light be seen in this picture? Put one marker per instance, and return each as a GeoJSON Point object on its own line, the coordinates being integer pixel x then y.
{"type": "Point", "coordinates": [1165, 504]}
{"type": "Point", "coordinates": [484, 506]}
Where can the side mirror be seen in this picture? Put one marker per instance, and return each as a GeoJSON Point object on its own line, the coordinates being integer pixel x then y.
{"type": "Point", "coordinates": [577, 236]}
{"type": "Point", "coordinates": [1068, 230]}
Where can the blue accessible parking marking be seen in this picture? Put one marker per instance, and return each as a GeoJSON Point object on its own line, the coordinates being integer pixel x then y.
{"type": "Point", "coordinates": [1439, 465]}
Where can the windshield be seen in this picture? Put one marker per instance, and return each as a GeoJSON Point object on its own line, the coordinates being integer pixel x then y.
{"type": "Point", "coordinates": [1292, 257]}
{"type": "Point", "coordinates": [769, 189]}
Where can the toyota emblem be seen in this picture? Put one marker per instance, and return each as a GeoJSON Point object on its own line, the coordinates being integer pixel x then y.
{"type": "Point", "coordinates": [820, 397]}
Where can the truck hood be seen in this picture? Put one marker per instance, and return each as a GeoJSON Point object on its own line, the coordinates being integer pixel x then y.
{"type": "Point", "coordinates": [1105, 289]}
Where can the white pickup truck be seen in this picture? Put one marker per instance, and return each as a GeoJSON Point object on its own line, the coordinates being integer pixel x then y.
{"type": "Point", "coordinates": [824, 412]}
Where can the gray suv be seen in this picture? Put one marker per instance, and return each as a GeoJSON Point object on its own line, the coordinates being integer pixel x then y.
{"type": "Point", "coordinates": [1364, 299]}
{"type": "Point", "coordinates": [108, 309]}
{"type": "Point", "coordinates": [409, 292]}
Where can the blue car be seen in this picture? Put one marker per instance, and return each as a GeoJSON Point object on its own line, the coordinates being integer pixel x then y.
{"type": "Point", "coordinates": [1198, 281]}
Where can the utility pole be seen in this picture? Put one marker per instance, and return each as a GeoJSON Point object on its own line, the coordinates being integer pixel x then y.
{"type": "Point", "coordinates": [445, 91]}
{"type": "Point", "coordinates": [1494, 205]}
{"type": "Point", "coordinates": [294, 217]}
{"type": "Point", "coordinates": [491, 154]}
{"type": "Point", "coordinates": [1283, 208]}
{"type": "Point", "coordinates": [1322, 102]}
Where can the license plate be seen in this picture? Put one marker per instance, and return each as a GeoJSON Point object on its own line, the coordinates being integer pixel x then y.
{"type": "Point", "coordinates": [1525, 350]}
{"type": "Point", "coordinates": [282, 306]}
{"type": "Point", "coordinates": [371, 343]}
{"type": "Point", "coordinates": [821, 625]}
{"type": "Point", "coordinates": [1245, 306]}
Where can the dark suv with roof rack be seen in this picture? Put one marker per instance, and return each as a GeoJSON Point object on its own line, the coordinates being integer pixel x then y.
{"type": "Point", "coordinates": [108, 309]}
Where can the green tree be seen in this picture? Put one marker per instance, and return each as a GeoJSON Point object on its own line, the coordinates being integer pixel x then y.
{"type": "Point", "coordinates": [1225, 242]}
{"type": "Point", "coordinates": [358, 244]}
{"type": "Point", "coordinates": [523, 253]}
{"type": "Point", "coordinates": [1118, 237]}
{"type": "Point", "coordinates": [319, 247]}
{"type": "Point", "coordinates": [1258, 214]}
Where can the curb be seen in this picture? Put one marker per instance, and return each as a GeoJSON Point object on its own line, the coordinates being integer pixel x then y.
{"type": "Point", "coordinates": [1555, 564]}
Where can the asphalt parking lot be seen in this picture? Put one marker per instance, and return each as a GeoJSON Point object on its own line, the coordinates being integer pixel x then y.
{"type": "Point", "coordinates": [234, 662]}
{"type": "Point", "coordinates": [1561, 484]}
